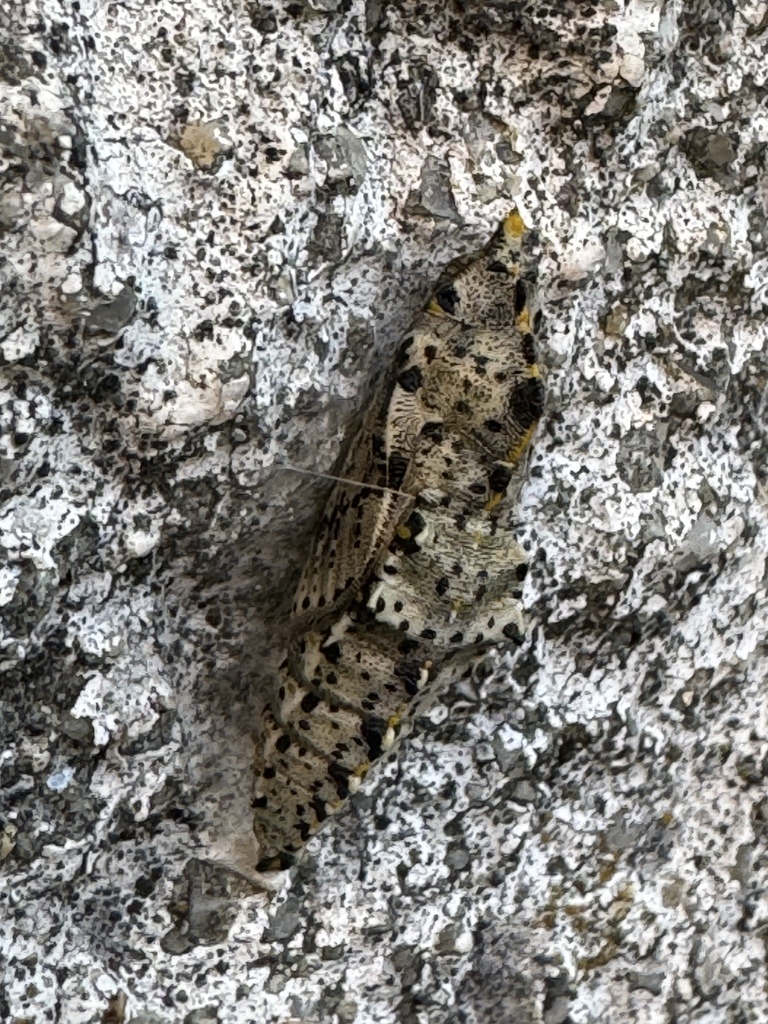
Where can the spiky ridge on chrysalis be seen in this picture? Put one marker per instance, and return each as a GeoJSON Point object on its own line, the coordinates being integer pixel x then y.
{"type": "Point", "coordinates": [413, 574]}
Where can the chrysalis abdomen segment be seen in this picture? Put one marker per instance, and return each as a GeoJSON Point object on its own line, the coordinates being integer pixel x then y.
{"type": "Point", "coordinates": [358, 683]}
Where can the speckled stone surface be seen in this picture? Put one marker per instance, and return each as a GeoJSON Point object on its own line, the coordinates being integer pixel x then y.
{"type": "Point", "coordinates": [217, 220]}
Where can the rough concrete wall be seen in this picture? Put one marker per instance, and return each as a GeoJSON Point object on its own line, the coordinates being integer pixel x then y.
{"type": "Point", "coordinates": [216, 221]}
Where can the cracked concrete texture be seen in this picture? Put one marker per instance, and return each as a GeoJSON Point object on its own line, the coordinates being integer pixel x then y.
{"type": "Point", "coordinates": [216, 225]}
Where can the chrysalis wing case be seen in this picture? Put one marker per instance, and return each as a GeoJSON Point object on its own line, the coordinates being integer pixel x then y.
{"type": "Point", "coordinates": [413, 574]}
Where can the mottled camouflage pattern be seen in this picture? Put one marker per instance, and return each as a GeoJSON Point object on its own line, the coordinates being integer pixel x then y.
{"type": "Point", "coordinates": [414, 572]}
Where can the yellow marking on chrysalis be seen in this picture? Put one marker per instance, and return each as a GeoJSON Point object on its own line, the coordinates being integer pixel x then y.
{"type": "Point", "coordinates": [524, 321]}
{"type": "Point", "coordinates": [435, 308]}
{"type": "Point", "coordinates": [493, 501]}
{"type": "Point", "coordinates": [533, 370]}
{"type": "Point", "coordinates": [518, 450]}
{"type": "Point", "coordinates": [403, 532]}
{"type": "Point", "coordinates": [514, 225]}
